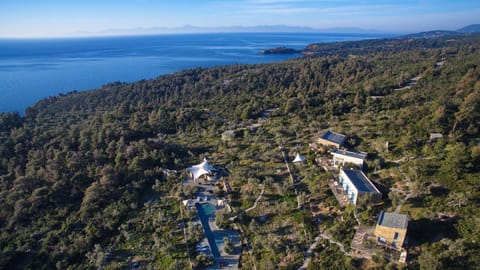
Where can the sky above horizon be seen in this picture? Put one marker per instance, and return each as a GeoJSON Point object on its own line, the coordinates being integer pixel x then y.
{"type": "Point", "coordinates": [57, 18]}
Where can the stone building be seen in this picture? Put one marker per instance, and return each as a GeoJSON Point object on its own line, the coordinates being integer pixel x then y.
{"type": "Point", "coordinates": [391, 230]}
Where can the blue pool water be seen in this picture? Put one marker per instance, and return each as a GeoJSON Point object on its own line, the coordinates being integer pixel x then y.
{"type": "Point", "coordinates": [31, 69]}
{"type": "Point", "coordinates": [205, 211]}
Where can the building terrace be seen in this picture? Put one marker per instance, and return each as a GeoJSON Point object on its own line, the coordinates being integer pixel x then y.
{"type": "Point", "coordinates": [341, 157]}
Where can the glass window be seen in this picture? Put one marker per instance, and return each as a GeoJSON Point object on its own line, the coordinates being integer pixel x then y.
{"type": "Point", "coordinates": [395, 237]}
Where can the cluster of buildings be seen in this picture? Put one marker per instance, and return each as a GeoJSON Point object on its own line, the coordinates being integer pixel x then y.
{"type": "Point", "coordinates": [352, 180]}
{"type": "Point", "coordinates": [391, 228]}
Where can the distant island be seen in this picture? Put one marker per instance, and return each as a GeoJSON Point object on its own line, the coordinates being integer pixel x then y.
{"type": "Point", "coordinates": [280, 50]}
{"type": "Point", "coordinates": [372, 45]}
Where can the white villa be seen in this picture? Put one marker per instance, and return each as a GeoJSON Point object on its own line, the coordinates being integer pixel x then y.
{"type": "Point", "coordinates": [356, 184]}
{"type": "Point", "coordinates": [340, 157]}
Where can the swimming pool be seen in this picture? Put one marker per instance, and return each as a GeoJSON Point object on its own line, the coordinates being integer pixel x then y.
{"type": "Point", "coordinates": [205, 211]}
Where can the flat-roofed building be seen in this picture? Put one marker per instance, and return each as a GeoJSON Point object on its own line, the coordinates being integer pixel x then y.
{"type": "Point", "coordinates": [330, 138]}
{"type": "Point", "coordinates": [341, 157]}
{"type": "Point", "coordinates": [391, 229]}
{"type": "Point", "coordinates": [356, 184]}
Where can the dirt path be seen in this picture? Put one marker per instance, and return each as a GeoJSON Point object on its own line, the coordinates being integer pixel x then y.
{"type": "Point", "coordinates": [308, 256]}
{"type": "Point", "coordinates": [288, 165]}
{"type": "Point", "coordinates": [412, 82]}
{"type": "Point", "coordinates": [409, 183]}
{"type": "Point", "coordinates": [256, 200]}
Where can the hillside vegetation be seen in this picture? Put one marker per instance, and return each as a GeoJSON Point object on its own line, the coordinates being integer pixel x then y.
{"type": "Point", "coordinates": [82, 181]}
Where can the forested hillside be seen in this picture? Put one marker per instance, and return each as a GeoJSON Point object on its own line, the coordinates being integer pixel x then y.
{"type": "Point", "coordinates": [82, 182]}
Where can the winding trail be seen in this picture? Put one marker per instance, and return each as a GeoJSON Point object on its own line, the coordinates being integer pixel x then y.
{"type": "Point", "coordinates": [256, 200]}
{"type": "Point", "coordinates": [410, 83]}
{"type": "Point", "coordinates": [410, 190]}
{"type": "Point", "coordinates": [409, 182]}
{"type": "Point", "coordinates": [308, 256]}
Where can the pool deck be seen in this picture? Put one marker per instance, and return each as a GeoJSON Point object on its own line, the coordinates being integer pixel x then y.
{"type": "Point", "coordinates": [205, 219]}
{"type": "Point", "coordinates": [214, 235]}
{"type": "Point", "coordinates": [230, 260]}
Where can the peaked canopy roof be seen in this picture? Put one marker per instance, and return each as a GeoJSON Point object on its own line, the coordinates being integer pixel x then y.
{"type": "Point", "coordinates": [299, 158]}
{"type": "Point", "coordinates": [200, 169]}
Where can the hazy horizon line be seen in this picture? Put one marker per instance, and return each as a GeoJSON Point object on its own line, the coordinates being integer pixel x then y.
{"type": "Point", "coordinates": [192, 29]}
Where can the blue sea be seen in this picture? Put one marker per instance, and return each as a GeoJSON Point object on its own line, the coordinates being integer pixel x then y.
{"type": "Point", "coordinates": [32, 69]}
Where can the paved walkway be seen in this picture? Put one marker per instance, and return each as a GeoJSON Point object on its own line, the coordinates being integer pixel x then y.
{"type": "Point", "coordinates": [227, 261]}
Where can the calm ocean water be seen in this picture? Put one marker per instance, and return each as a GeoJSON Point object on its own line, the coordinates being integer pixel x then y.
{"type": "Point", "coordinates": [34, 69]}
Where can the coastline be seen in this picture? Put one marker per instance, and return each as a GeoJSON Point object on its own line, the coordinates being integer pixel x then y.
{"type": "Point", "coordinates": [30, 71]}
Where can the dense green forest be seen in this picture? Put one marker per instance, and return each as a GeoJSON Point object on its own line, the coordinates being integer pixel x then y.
{"type": "Point", "coordinates": [82, 182]}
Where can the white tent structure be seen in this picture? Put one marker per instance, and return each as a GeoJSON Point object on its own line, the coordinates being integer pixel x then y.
{"type": "Point", "coordinates": [203, 168]}
{"type": "Point", "coordinates": [299, 158]}
{"type": "Point", "coordinates": [222, 202]}
{"type": "Point", "coordinates": [188, 203]}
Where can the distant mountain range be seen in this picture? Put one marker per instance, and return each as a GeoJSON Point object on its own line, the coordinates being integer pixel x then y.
{"type": "Point", "coordinates": [191, 29]}
{"type": "Point", "coordinates": [470, 29]}
{"type": "Point", "coordinates": [473, 28]}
